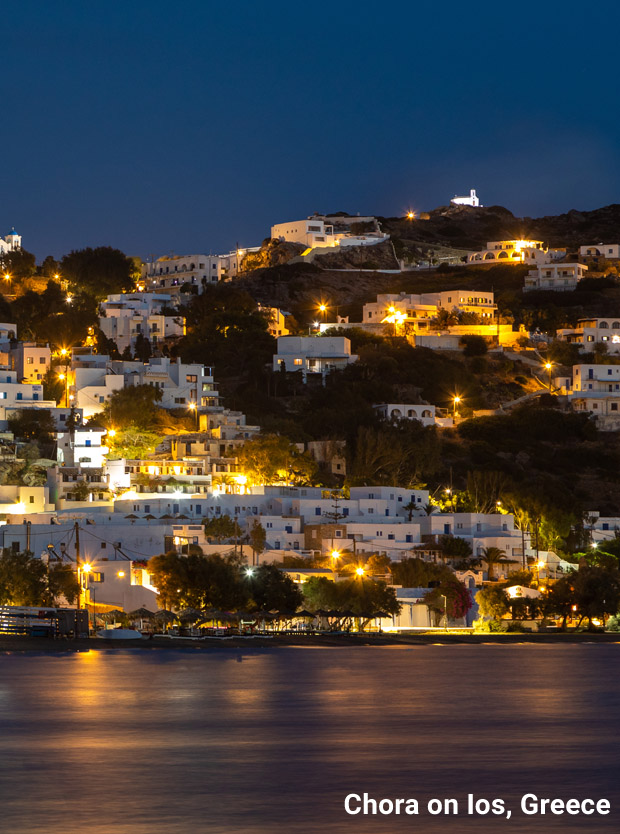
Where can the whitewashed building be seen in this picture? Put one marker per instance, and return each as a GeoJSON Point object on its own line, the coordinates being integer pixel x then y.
{"type": "Point", "coordinates": [30, 361]}
{"type": "Point", "coordinates": [592, 332]}
{"type": "Point", "coordinates": [313, 354]}
{"type": "Point", "coordinates": [561, 277]}
{"type": "Point", "coordinates": [125, 317]}
{"type": "Point", "coordinates": [472, 200]}
{"type": "Point", "coordinates": [609, 251]}
{"type": "Point", "coordinates": [512, 252]}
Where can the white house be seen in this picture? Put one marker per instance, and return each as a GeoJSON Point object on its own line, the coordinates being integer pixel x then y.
{"type": "Point", "coordinates": [14, 393]}
{"type": "Point", "coordinates": [425, 414]}
{"type": "Point", "coordinates": [512, 252]}
{"type": "Point", "coordinates": [609, 251]}
{"type": "Point", "coordinates": [30, 361]}
{"type": "Point", "coordinates": [311, 232]}
{"type": "Point", "coordinates": [481, 530]}
{"type": "Point", "coordinates": [319, 231]}
{"type": "Point", "coordinates": [94, 378]}
{"type": "Point", "coordinates": [180, 384]}
{"type": "Point", "coordinates": [419, 310]}
{"type": "Point", "coordinates": [558, 277]}
{"type": "Point", "coordinates": [125, 317]}
{"type": "Point", "coordinates": [313, 354]}
{"type": "Point", "coordinates": [82, 447]}
{"type": "Point", "coordinates": [171, 272]}
{"type": "Point", "coordinates": [590, 332]}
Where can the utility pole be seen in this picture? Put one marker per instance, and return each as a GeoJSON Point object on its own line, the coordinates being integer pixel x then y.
{"type": "Point", "coordinates": [76, 528]}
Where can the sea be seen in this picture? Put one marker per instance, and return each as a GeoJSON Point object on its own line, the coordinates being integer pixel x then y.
{"type": "Point", "coordinates": [229, 741]}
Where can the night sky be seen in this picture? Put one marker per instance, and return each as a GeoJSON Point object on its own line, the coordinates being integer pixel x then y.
{"type": "Point", "coordinates": [189, 126]}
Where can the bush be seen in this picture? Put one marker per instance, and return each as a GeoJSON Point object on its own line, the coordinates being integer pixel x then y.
{"type": "Point", "coordinates": [489, 627]}
{"type": "Point", "coordinates": [613, 623]}
{"type": "Point", "coordinates": [473, 345]}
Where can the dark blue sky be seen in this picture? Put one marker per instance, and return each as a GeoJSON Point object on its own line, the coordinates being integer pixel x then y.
{"type": "Point", "coordinates": [187, 126]}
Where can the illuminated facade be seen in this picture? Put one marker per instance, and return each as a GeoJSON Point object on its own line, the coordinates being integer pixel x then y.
{"type": "Point", "coordinates": [555, 278]}
{"type": "Point", "coordinates": [512, 252]}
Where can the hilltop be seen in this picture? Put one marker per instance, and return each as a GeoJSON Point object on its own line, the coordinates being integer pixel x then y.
{"type": "Point", "coordinates": [469, 228]}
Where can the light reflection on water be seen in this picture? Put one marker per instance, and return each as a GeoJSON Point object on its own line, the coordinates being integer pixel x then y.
{"type": "Point", "coordinates": [176, 742]}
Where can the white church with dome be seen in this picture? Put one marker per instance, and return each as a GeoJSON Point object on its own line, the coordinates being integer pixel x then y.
{"type": "Point", "coordinates": [10, 242]}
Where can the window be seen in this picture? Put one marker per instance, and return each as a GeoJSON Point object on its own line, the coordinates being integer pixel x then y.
{"type": "Point", "coordinates": [180, 400]}
{"type": "Point", "coordinates": [297, 361]}
{"type": "Point", "coordinates": [32, 499]}
{"type": "Point", "coordinates": [191, 378]}
{"type": "Point", "coordinates": [29, 360]}
{"type": "Point", "coordinates": [42, 360]}
{"type": "Point", "coordinates": [338, 534]}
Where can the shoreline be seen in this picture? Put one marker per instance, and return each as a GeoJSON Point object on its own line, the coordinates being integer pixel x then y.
{"type": "Point", "coordinates": [43, 645]}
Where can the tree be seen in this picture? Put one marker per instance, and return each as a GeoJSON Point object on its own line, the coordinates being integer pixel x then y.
{"type": "Point", "coordinates": [271, 458]}
{"type": "Point", "coordinates": [359, 595]}
{"type": "Point", "coordinates": [258, 538]}
{"type": "Point", "coordinates": [492, 601]}
{"type": "Point", "coordinates": [560, 599]}
{"type": "Point", "coordinates": [18, 263]}
{"type": "Point", "coordinates": [473, 345]}
{"type": "Point", "coordinates": [455, 547]}
{"type": "Point", "coordinates": [143, 349]}
{"type": "Point", "coordinates": [458, 599]}
{"type": "Point", "coordinates": [62, 584]}
{"type": "Point", "coordinates": [596, 592]}
{"type": "Point", "coordinates": [492, 556]}
{"type": "Point", "coordinates": [33, 424]}
{"type": "Point", "coordinates": [198, 581]}
{"type": "Point", "coordinates": [221, 528]}
{"type": "Point", "coordinates": [270, 589]}
{"type": "Point", "coordinates": [99, 272]}
{"type": "Point", "coordinates": [23, 579]}
{"type": "Point", "coordinates": [134, 405]}
{"type": "Point", "coordinates": [417, 573]}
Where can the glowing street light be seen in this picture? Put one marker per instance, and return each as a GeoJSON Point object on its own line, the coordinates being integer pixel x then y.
{"type": "Point", "coordinates": [360, 571]}
{"type": "Point", "coordinates": [411, 215]}
{"type": "Point", "coordinates": [548, 366]}
{"type": "Point", "coordinates": [193, 407]}
{"type": "Point", "coordinates": [335, 554]}
{"type": "Point", "coordinates": [111, 432]}
{"type": "Point", "coordinates": [455, 401]}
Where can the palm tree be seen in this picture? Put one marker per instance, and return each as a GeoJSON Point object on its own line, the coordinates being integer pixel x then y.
{"type": "Point", "coordinates": [492, 556]}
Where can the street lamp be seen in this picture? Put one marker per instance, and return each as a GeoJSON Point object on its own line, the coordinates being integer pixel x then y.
{"type": "Point", "coordinates": [445, 610]}
{"type": "Point", "coordinates": [360, 572]}
{"type": "Point", "coordinates": [193, 407]}
{"type": "Point", "coordinates": [456, 400]}
{"type": "Point", "coordinates": [335, 554]}
{"type": "Point", "coordinates": [411, 215]}
{"type": "Point", "coordinates": [548, 366]}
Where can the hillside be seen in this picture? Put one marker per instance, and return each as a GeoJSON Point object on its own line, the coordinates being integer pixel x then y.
{"type": "Point", "coordinates": [464, 227]}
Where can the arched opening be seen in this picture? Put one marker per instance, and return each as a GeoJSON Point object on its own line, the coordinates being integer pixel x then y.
{"type": "Point", "coordinates": [603, 325]}
{"type": "Point", "coordinates": [502, 255]}
{"type": "Point", "coordinates": [489, 256]}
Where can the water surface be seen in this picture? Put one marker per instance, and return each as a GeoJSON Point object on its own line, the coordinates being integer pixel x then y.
{"type": "Point", "coordinates": [177, 742]}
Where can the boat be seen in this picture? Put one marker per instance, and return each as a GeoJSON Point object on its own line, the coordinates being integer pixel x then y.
{"type": "Point", "coordinates": [119, 634]}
